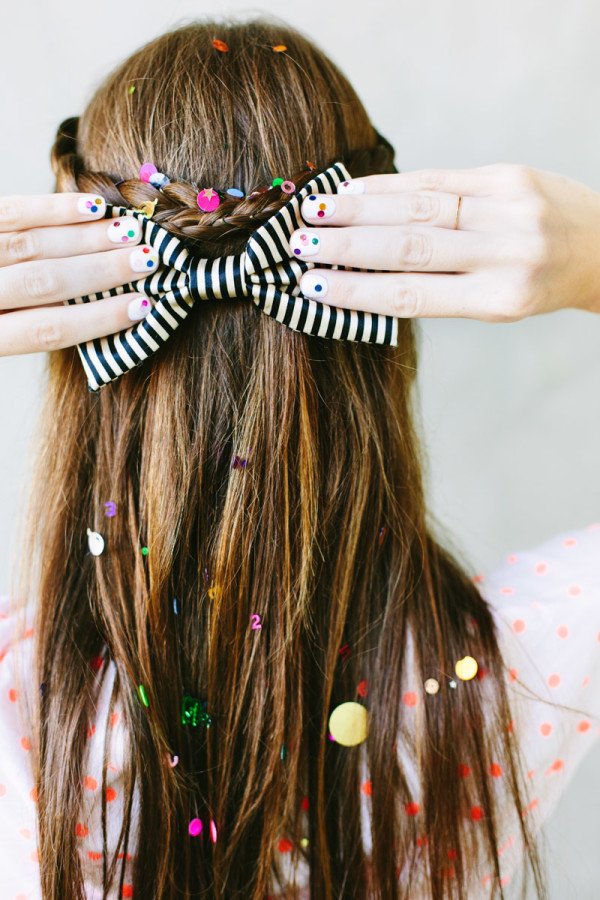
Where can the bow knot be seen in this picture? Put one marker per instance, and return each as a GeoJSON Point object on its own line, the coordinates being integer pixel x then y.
{"type": "Point", "coordinates": [265, 272]}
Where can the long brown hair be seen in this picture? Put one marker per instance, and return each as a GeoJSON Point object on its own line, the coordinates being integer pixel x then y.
{"type": "Point", "coordinates": [323, 534]}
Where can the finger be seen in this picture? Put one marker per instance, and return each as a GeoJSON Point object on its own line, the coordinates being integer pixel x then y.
{"type": "Point", "coordinates": [56, 326]}
{"type": "Point", "coordinates": [32, 210]}
{"type": "Point", "coordinates": [401, 249]}
{"type": "Point", "coordinates": [56, 242]}
{"type": "Point", "coordinates": [479, 182]}
{"type": "Point", "coordinates": [390, 209]}
{"type": "Point", "coordinates": [49, 280]}
{"type": "Point", "coordinates": [404, 296]}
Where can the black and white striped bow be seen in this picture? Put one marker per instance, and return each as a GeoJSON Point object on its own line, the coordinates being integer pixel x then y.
{"type": "Point", "coordinates": [265, 272]}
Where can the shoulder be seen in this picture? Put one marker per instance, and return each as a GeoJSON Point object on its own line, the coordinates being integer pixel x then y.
{"type": "Point", "coordinates": [563, 570]}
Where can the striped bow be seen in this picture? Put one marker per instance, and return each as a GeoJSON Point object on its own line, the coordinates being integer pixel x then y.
{"type": "Point", "coordinates": [265, 272]}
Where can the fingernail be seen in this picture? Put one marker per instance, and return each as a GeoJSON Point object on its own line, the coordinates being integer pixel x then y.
{"type": "Point", "coordinates": [91, 205]}
{"type": "Point", "coordinates": [318, 207]}
{"type": "Point", "coordinates": [312, 285]}
{"type": "Point", "coordinates": [124, 230]}
{"type": "Point", "coordinates": [356, 186]}
{"type": "Point", "coordinates": [304, 243]}
{"type": "Point", "coordinates": [143, 259]}
{"type": "Point", "coordinates": [138, 308]}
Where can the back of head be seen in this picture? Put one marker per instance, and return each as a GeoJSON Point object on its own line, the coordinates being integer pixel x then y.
{"type": "Point", "coordinates": [321, 533]}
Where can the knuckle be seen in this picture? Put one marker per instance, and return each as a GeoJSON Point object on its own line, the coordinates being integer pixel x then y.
{"type": "Point", "coordinates": [423, 208]}
{"type": "Point", "coordinates": [39, 282]}
{"type": "Point", "coordinates": [406, 301]}
{"type": "Point", "coordinates": [10, 212]}
{"type": "Point", "coordinates": [49, 335]}
{"type": "Point", "coordinates": [431, 178]}
{"type": "Point", "coordinates": [522, 177]}
{"type": "Point", "coordinates": [21, 246]}
{"type": "Point", "coordinates": [415, 250]}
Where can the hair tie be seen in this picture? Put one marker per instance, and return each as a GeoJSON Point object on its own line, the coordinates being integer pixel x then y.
{"type": "Point", "coordinates": [264, 272]}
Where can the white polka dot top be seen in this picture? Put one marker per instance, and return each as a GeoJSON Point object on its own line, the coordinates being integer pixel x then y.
{"type": "Point", "coordinates": [546, 602]}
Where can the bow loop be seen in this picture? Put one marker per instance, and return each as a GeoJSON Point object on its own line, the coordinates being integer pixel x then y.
{"type": "Point", "coordinates": [265, 272]}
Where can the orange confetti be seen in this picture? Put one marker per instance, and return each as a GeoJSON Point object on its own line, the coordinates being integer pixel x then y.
{"type": "Point", "coordinates": [310, 165]}
{"type": "Point", "coordinates": [220, 45]}
{"type": "Point", "coordinates": [279, 48]}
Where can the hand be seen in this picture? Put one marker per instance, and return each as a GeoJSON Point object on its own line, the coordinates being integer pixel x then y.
{"type": "Point", "coordinates": [52, 249]}
{"type": "Point", "coordinates": [528, 243]}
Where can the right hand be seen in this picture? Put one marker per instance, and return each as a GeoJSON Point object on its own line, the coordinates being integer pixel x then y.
{"type": "Point", "coordinates": [51, 251]}
{"type": "Point", "coordinates": [527, 244]}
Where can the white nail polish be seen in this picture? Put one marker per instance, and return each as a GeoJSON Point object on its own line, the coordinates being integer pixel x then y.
{"type": "Point", "coordinates": [124, 230]}
{"type": "Point", "coordinates": [318, 207]}
{"type": "Point", "coordinates": [91, 205]}
{"type": "Point", "coordinates": [143, 259]}
{"type": "Point", "coordinates": [313, 285]}
{"type": "Point", "coordinates": [356, 186]}
{"type": "Point", "coordinates": [304, 243]}
{"type": "Point", "coordinates": [138, 308]}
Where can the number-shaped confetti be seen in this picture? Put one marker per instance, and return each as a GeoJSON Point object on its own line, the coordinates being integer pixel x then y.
{"type": "Point", "coordinates": [255, 624]}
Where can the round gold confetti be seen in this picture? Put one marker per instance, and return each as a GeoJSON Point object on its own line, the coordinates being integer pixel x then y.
{"type": "Point", "coordinates": [466, 668]}
{"type": "Point", "coordinates": [432, 686]}
{"type": "Point", "coordinates": [348, 723]}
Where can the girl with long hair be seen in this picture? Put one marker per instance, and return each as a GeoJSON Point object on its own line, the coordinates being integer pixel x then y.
{"type": "Point", "coordinates": [229, 543]}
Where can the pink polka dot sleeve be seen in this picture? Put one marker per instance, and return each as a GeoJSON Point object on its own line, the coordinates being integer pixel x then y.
{"type": "Point", "coordinates": [546, 603]}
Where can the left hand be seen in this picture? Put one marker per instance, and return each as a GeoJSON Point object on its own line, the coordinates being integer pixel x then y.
{"type": "Point", "coordinates": [527, 243]}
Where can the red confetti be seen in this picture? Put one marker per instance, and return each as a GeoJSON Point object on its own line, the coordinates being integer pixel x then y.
{"type": "Point", "coordinates": [305, 803]}
{"type": "Point", "coordinates": [362, 689]}
{"type": "Point", "coordinates": [220, 45]}
{"type": "Point", "coordinates": [284, 845]}
{"type": "Point", "coordinates": [476, 813]}
{"type": "Point", "coordinates": [463, 771]}
{"type": "Point", "coordinates": [411, 808]}
{"type": "Point", "coordinates": [367, 788]}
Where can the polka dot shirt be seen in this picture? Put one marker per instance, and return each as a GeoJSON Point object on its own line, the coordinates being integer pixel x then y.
{"type": "Point", "coordinates": [546, 603]}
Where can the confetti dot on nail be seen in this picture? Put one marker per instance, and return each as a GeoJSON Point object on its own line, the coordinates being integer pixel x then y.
{"type": "Point", "coordinates": [195, 827]}
{"type": "Point", "coordinates": [312, 197]}
{"type": "Point", "coordinates": [318, 287]}
{"type": "Point", "coordinates": [117, 225]}
{"type": "Point", "coordinates": [131, 233]}
{"type": "Point", "coordinates": [296, 252]}
{"type": "Point", "coordinates": [315, 240]}
{"type": "Point", "coordinates": [145, 250]}
{"type": "Point", "coordinates": [88, 204]}
{"type": "Point", "coordinates": [94, 208]}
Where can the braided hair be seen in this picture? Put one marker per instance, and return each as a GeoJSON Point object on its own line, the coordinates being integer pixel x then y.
{"type": "Point", "coordinates": [221, 231]}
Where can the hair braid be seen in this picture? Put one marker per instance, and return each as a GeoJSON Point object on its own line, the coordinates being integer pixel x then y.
{"type": "Point", "coordinates": [177, 209]}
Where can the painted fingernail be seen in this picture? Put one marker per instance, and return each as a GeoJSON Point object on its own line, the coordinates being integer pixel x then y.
{"type": "Point", "coordinates": [91, 205]}
{"type": "Point", "coordinates": [356, 186]}
{"type": "Point", "coordinates": [138, 308]}
{"type": "Point", "coordinates": [124, 230]}
{"type": "Point", "coordinates": [304, 243]}
{"type": "Point", "coordinates": [143, 259]}
{"type": "Point", "coordinates": [312, 285]}
{"type": "Point", "coordinates": [318, 207]}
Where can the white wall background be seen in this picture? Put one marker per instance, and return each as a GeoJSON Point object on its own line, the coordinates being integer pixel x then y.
{"type": "Point", "coordinates": [511, 412]}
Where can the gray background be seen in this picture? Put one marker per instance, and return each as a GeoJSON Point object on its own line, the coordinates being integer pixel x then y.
{"type": "Point", "coordinates": [510, 412]}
